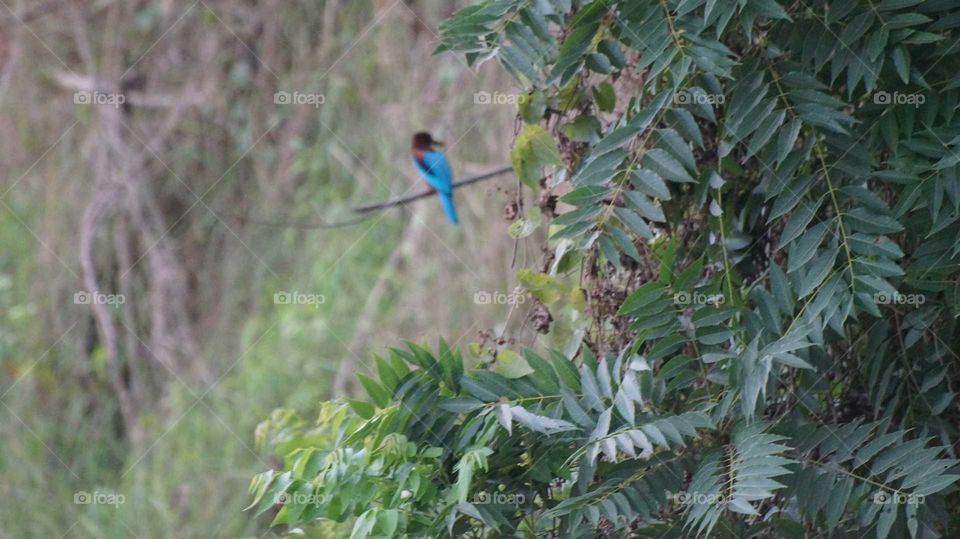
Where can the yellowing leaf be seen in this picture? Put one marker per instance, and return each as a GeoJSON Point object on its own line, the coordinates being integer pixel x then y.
{"type": "Point", "coordinates": [511, 365]}
{"type": "Point", "coordinates": [533, 150]}
{"type": "Point", "coordinates": [544, 287]}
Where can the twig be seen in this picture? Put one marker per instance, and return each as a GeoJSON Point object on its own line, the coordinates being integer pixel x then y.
{"type": "Point", "coordinates": [289, 224]}
{"type": "Point", "coordinates": [366, 211]}
{"type": "Point", "coordinates": [403, 200]}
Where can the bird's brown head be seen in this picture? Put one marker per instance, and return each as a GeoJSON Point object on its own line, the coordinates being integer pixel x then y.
{"type": "Point", "coordinates": [423, 142]}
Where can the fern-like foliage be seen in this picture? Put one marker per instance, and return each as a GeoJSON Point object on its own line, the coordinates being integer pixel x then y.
{"type": "Point", "coordinates": [737, 476]}
{"type": "Point", "coordinates": [882, 477]}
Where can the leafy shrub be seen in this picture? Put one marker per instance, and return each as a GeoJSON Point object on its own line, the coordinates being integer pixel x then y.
{"type": "Point", "coordinates": [751, 294]}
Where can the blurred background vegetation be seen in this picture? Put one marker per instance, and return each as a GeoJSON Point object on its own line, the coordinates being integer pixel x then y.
{"type": "Point", "coordinates": [157, 399]}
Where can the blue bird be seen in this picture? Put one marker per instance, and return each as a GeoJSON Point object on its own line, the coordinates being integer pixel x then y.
{"type": "Point", "coordinates": [435, 169]}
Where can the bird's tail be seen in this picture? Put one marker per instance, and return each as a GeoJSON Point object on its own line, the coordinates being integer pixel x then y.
{"type": "Point", "coordinates": [446, 200]}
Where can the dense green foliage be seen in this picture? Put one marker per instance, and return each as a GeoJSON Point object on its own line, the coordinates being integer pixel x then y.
{"type": "Point", "coordinates": [752, 210]}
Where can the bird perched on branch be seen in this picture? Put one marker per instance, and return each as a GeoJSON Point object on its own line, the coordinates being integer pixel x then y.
{"type": "Point", "coordinates": [435, 169]}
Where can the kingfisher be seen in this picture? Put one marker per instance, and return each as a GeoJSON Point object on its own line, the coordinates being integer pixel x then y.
{"type": "Point", "coordinates": [435, 169]}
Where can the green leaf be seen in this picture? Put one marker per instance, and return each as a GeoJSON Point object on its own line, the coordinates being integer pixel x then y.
{"type": "Point", "coordinates": [888, 515]}
{"type": "Point", "coordinates": [786, 139]}
{"type": "Point", "coordinates": [624, 242]}
{"type": "Point", "coordinates": [901, 61]}
{"type": "Point", "coordinates": [363, 527]}
{"type": "Point", "coordinates": [678, 148]}
{"type": "Point", "coordinates": [644, 206]}
{"type": "Point", "coordinates": [461, 405]}
{"type": "Point", "coordinates": [583, 129]}
{"type": "Point", "coordinates": [574, 410]}
{"type": "Point", "coordinates": [612, 51]}
{"type": "Point", "coordinates": [686, 124]}
{"type": "Point", "coordinates": [605, 96]}
{"type": "Point", "coordinates": [789, 198]}
{"type": "Point", "coordinates": [591, 390]}
{"type": "Point", "coordinates": [379, 394]}
{"type": "Point", "coordinates": [362, 408]}
{"type": "Point", "coordinates": [818, 272]}
{"type": "Point", "coordinates": [533, 107]}
{"type": "Point", "coordinates": [649, 183]}
{"type": "Point", "coordinates": [533, 149]}
{"type": "Point", "coordinates": [544, 287]}
{"type": "Point", "coordinates": [511, 365]}
{"type": "Point", "coordinates": [798, 221]}
{"type": "Point", "coordinates": [521, 228]}
{"type": "Point", "coordinates": [803, 250]}
{"type": "Point", "coordinates": [666, 166]}
{"type": "Point", "coordinates": [539, 423]}
{"type": "Point", "coordinates": [566, 371]}
{"type": "Point", "coordinates": [387, 521]}
{"type": "Point", "coordinates": [634, 222]}
{"type": "Point", "coordinates": [864, 220]}
{"type": "Point", "coordinates": [577, 42]}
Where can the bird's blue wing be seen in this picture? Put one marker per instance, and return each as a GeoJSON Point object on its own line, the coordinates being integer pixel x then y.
{"type": "Point", "coordinates": [436, 170]}
{"type": "Point", "coordinates": [438, 164]}
{"type": "Point", "coordinates": [430, 177]}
